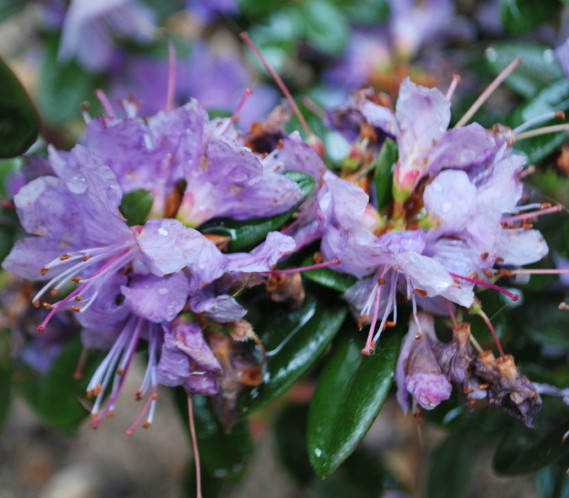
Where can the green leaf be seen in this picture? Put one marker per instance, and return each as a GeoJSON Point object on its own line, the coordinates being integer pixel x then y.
{"type": "Point", "coordinates": [56, 397]}
{"type": "Point", "coordinates": [294, 340]}
{"type": "Point", "coordinates": [340, 282]}
{"type": "Point", "coordinates": [349, 395]}
{"type": "Point", "coordinates": [136, 205]}
{"type": "Point", "coordinates": [450, 467]}
{"type": "Point", "coordinates": [523, 450]}
{"type": "Point", "coordinates": [537, 70]}
{"type": "Point", "coordinates": [324, 25]}
{"type": "Point", "coordinates": [552, 98]}
{"type": "Point", "coordinates": [542, 320]}
{"type": "Point", "coordinates": [223, 455]}
{"type": "Point", "coordinates": [519, 16]}
{"type": "Point", "coordinates": [19, 124]}
{"type": "Point", "coordinates": [383, 176]}
{"type": "Point", "coordinates": [290, 442]}
{"type": "Point", "coordinates": [63, 87]}
{"type": "Point", "coordinates": [247, 234]}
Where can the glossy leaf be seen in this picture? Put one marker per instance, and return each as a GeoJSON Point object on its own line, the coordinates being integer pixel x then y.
{"type": "Point", "coordinates": [246, 234]}
{"type": "Point", "coordinates": [19, 124]}
{"type": "Point", "coordinates": [523, 450]}
{"type": "Point", "coordinates": [224, 456]}
{"type": "Point", "coordinates": [349, 395]}
{"type": "Point", "coordinates": [325, 26]}
{"type": "Point", "coordinates": [340, 282]}
{"type": "Point", "coordinates": [290, 442]}
{"type": "Point", "coordinates": [294, 340]}
{"type": "Point", "coordinates": [519, 16]}
{"type": "Point", "coordinates": [543, 321]}
{"type": "Point", "coordinates": [58, 398]}
{"type": "Point", "coordinates": [136, 205]}
{"type": "Point", "coordinates": [63, 87]}
{"type": "Point", "coordinates": [537, 70]}
{"type": "Point", "coordinates": [551, 99]}
{"type": "Point", "coordinates": [383, 176]}
{"type": "Point", "coordinates": [450, 467]}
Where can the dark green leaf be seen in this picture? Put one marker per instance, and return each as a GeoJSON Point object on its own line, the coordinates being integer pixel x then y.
{"type": "Point", "coordinates": [361, 475]}
{"type": "Point", "coordinates": [383, 176]}
{"type": "Point", "coordinates": [136, 205]}
{"type": "Point", "coordinates": [222, 455]}
{"type": "Point", "coordinates": [523, 450]}
{"type": "Point", "coordinates": [294, 340]}
{"type": "Point", "coordinates": [552, 98]}
{"type": "Point", "coordinates": [246, 234]}
{"type": "Point", "coordinates": [450, 467]}
{"type": "Point", "coordinates": [349, 395]}
{"type": "Point", "coordinates": [324, 25]}
{"type": "Point", "coordinates": [290, 442]}
{"type": "Point", "coordinates": [340, 282]}
{"type": "Point", "coordinates": [63, 86]}
{"type": "Point", "coordinates": [60, 395]}
{"type": "Point", "coordinates": [56, 397]}
{"type": "Point", "coordinates": [537, 70]}
{"type": "Point", "coordinates": [552, 482]}
{"type": "Point", "coordinates": [19, 124]}
{"type": "Point", "coordinates": [542, 320]}
{"type": "Point", "coordinates": [519, 16]}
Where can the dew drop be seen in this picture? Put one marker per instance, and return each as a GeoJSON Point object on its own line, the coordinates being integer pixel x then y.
{"type": "Point", "coordinates": [77, 183]}
{"type": "Point", "coordinates": [317, 452]}
{"type": "Point", "coordinates": [162, 231]}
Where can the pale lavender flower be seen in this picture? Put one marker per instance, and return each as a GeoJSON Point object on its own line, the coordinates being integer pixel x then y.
{"type": "Point", "coordinates": [418, 373]}
{"type": "Point", "coordinates": [89, 28]}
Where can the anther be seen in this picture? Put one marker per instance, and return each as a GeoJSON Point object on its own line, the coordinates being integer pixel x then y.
{"type": "Point", "coordinates": [418, 335]}
{"type": "Point", "coordinates": [44, 270]}
{"type": "Point", "coordinates": [47, 306]}
{"type": "Point", "coordinates": [77, 279]}
{"type": "Point", "coordinates": [77, 309]}
{"type": "Point", "coordinates": [36, 303]}
{"type": "Point", "coordinates": [421, 292]}
{"type": "Point", "coordinates": [87, 257]}
{"type": "Point", "coordinates": [79, 298]}
{"type": "Point", "coordinates": [64, 257]}
{"type": "Point", "coordinates": [488, 273]}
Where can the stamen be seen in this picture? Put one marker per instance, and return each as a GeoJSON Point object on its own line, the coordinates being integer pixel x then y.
{"type": "Point", "coordinates": [484, 317]}
{"type": "Point", "coordinates": [451, 313]}
{"type": "Point", "coordinates": [78, 374]}
{"type": "Point", "coordinates": [533, 271]}
{"type": "Point", "coordinates": [533, 214]}
{"type": "Point", "coordinates": [170, 104]}
{"type": "Point", "coordinates": [332, 262]}
{"type": "Point", "coordinates": [245, 37]}
{"type": "Point", "coordinates": [314, 107]}
{"type": "Point", "coordinates": [543, 131]}
{"type": "Point", "coordinates": [481, 283]}
{"type": "Point", "coordinates": [538, 120]}
{"type": "Point", "coordinates": [530, 170]}
{"type": "Point", "coordinates": [489, 91]}
{"type": "Point", "coordinates": [105, 102]}
{"type": "Point", "coordinates": [453, 84]}
{"type": "Point", "coordinates": [195, 447]}
{"type": "Point", "coordinates": [235, 117]}
{"type": "Point", "coordinates": [370, 344]}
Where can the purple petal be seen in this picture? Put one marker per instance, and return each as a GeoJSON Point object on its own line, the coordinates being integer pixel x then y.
{"type": "Point", "coordinates": [168, 246]}
{"type": "Point", "coordinates": [264, 256]}
{"type": "Point", "coordinates": [157, 299]}
{"type": "Point", "coordinates": [222, 309]}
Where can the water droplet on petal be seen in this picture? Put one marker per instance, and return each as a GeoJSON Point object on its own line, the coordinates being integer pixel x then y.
{"type": "Point", "coordinates": [77, 183]}
{"type": "Point", "coordinates": [162, 231]}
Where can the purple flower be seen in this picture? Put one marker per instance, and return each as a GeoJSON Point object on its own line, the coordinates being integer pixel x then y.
{"type": "Point", "coordinates": [89, 26]}
{"type": "Point", "coordinates": [418, 373]}
{"type": "Point", "coordinates": [187, 360]}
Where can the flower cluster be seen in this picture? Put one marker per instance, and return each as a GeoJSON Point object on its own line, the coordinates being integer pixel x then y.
{"type": "Point", "coordinates": [453, 222]}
